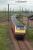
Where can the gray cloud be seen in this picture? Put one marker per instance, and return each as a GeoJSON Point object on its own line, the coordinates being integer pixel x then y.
{"type": "Point", "coordinates": [2, 2]}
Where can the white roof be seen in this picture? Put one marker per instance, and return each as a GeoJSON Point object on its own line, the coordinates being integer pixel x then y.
{"type": "Point", "coordinates": [13, 18]}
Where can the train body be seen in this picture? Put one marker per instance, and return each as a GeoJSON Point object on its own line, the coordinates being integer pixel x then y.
{"type": "Point", "coordinates": [17, 28]}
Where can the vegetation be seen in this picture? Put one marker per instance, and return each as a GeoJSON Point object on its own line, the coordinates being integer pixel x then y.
{"type": "Point", "coordinates": [5, 42]}
{"type": "Point", "coordinates": [3, 38]}
{"type": "Point", "coordinates": [29, 34]}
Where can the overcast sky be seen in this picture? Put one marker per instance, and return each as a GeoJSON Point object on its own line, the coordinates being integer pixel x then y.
{"type": "Point", "coordinates": [17, 6]}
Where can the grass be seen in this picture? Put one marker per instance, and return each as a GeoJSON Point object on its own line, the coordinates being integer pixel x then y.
{"type": "Point", "coordinates": [3, 38]}
{"type": "Point", "coordinates": [5, 43]}
{"type": "Point", "coordinates": [30, 34]}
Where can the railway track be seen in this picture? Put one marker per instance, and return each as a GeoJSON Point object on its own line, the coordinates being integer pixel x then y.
{"type": "Point", "coordinates": [3, 21]}
{"type": "Point", "coordinates": [20, 44]}
{"type": "Point", "coordinates": [24, 45]}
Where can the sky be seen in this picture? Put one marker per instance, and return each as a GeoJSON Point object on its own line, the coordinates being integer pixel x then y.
{"type": "Point", "coordinates": [16, 4]}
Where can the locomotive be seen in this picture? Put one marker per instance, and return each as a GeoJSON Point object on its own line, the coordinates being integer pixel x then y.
{"type": "Point", "coordinates": [18, 28]}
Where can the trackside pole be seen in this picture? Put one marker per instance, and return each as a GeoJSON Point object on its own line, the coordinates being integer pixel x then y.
{"type": "Point", "coordinates": [8, 13]}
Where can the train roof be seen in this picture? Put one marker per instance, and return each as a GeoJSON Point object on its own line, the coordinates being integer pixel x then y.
{"type": "Point", "coordinates": [15, 21]}
{"type": "Point", "coordinates": [13, 18]}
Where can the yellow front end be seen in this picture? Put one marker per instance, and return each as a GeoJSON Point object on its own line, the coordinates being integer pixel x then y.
{"type": "Point", "coordinates": [19, 31]}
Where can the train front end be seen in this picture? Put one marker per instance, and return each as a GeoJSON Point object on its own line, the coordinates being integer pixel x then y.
{"type": "Point", "coordinates": [20, 30]}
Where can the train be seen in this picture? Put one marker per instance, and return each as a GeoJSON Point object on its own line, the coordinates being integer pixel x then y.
{"type": "Point", "coordinates": [18, 29]}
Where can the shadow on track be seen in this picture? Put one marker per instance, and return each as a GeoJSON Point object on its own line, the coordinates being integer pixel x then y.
{"type": "Point", "coordinates": [20, 38]}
